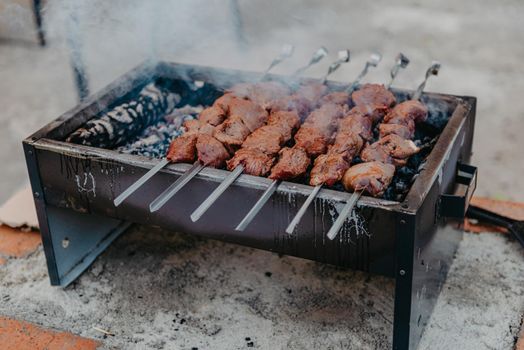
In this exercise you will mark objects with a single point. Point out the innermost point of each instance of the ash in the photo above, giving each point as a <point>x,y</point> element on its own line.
<point>155,139</point>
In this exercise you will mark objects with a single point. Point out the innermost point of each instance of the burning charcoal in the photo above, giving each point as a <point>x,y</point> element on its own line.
<point>126,120</point>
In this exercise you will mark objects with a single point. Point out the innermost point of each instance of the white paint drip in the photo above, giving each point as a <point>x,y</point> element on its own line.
<point>88,185</point>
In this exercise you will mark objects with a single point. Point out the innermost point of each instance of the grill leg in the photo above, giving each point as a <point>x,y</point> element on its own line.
<point>37,10</point>
<point>72,241</point>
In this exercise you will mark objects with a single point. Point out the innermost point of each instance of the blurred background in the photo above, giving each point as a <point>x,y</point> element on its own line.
<point>479,43</point>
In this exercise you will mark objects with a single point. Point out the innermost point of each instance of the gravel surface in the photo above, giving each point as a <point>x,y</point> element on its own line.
<point>156,289</point>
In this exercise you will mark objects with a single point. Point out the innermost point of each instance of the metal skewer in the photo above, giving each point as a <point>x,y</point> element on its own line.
<point>175,187</point>
<point>164,197</point>
<point>317,56</point>
<point>373,61</point>
<point>286,52</point>
<point>135,186</point>
<point>432,70</point>
<point>401,62</point>
<point>208,202</point>
<point>343,56</point>
<point>352,201</point>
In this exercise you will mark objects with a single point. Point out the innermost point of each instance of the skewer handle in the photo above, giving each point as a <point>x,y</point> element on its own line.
<point>286,52</point>
<point>317,56</point>
<point>346,211</point>
<point>258,206</point>
<point>135,186</point>
<point>373,61</point>
<point>302,211</point>
<point>343,57</point>
<point>208,202</point>
<point>401,61</point>
<point>175,187</point>
<point>432,70</point>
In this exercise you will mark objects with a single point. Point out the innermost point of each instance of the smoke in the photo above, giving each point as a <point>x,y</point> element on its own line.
<point>114,36</point>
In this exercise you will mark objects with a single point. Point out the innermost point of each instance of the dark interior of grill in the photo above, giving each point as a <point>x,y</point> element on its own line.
<point>203,94</point>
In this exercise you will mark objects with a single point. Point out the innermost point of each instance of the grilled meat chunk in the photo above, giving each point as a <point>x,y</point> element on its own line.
<point>373,177</point>
<point>232,132</point>
<point>223,102</point>
<point>373,94</point>
<point>411,109</point>
<point>316,133</point>
<point>295,102</point>
<point>266,139</point>
<point>341,98</point>
<point>312,140</point>
<point>285,121</point>
<point>358,124</point>
<point>264,94</point>
<point>348,144</point>
<point>183,148</point>
<point>192,126</point>
<point>195,126</point>
<point>292,162</point>
<point>211,152</point>
<point>404,131</point>
<point>375,112</point>
<point>213,115</point>
<point>254,161</point>
<point>392,149</point>
<point>312,92</point>
<point>270,137</point>
<point>252,115</point>
<point>328,169</point>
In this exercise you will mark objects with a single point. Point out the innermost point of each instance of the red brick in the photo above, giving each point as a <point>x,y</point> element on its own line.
<point>512,210</point>
<point>21,335</point>
<point>17,244</point>
<point>520,341</point>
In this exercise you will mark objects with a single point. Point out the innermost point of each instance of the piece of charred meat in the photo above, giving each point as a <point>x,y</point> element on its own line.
<point>328,169</point>
<point>373,94</point>
<point>316,133</point>
<point>264,94</point>
<point>341,98</point>
<point>211,152</point>
<point>372,177</point>
<point>358,124</point>
<point>183,149</point>
<point>311,140</point>
<point>213,115</point>
<point>295,103</point>
<point>254,161</point>
<point>252,115</point>
<point>232,132</point>
<point>218,131</point>
<point>312,92</point>
<point>292,163</point>
<point>352,131</point>
<point>391,149</point>
<point>411,109</point>
<point>259,149</point>
<point>405,131</point>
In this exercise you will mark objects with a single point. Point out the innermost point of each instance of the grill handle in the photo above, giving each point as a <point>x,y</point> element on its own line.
<point>515,227</point>
<point>456,205</point>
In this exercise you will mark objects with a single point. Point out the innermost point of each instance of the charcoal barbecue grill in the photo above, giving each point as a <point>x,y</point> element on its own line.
<point>413,240</point>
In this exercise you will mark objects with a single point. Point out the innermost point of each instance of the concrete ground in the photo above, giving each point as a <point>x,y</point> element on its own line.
<point>155,289</point>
